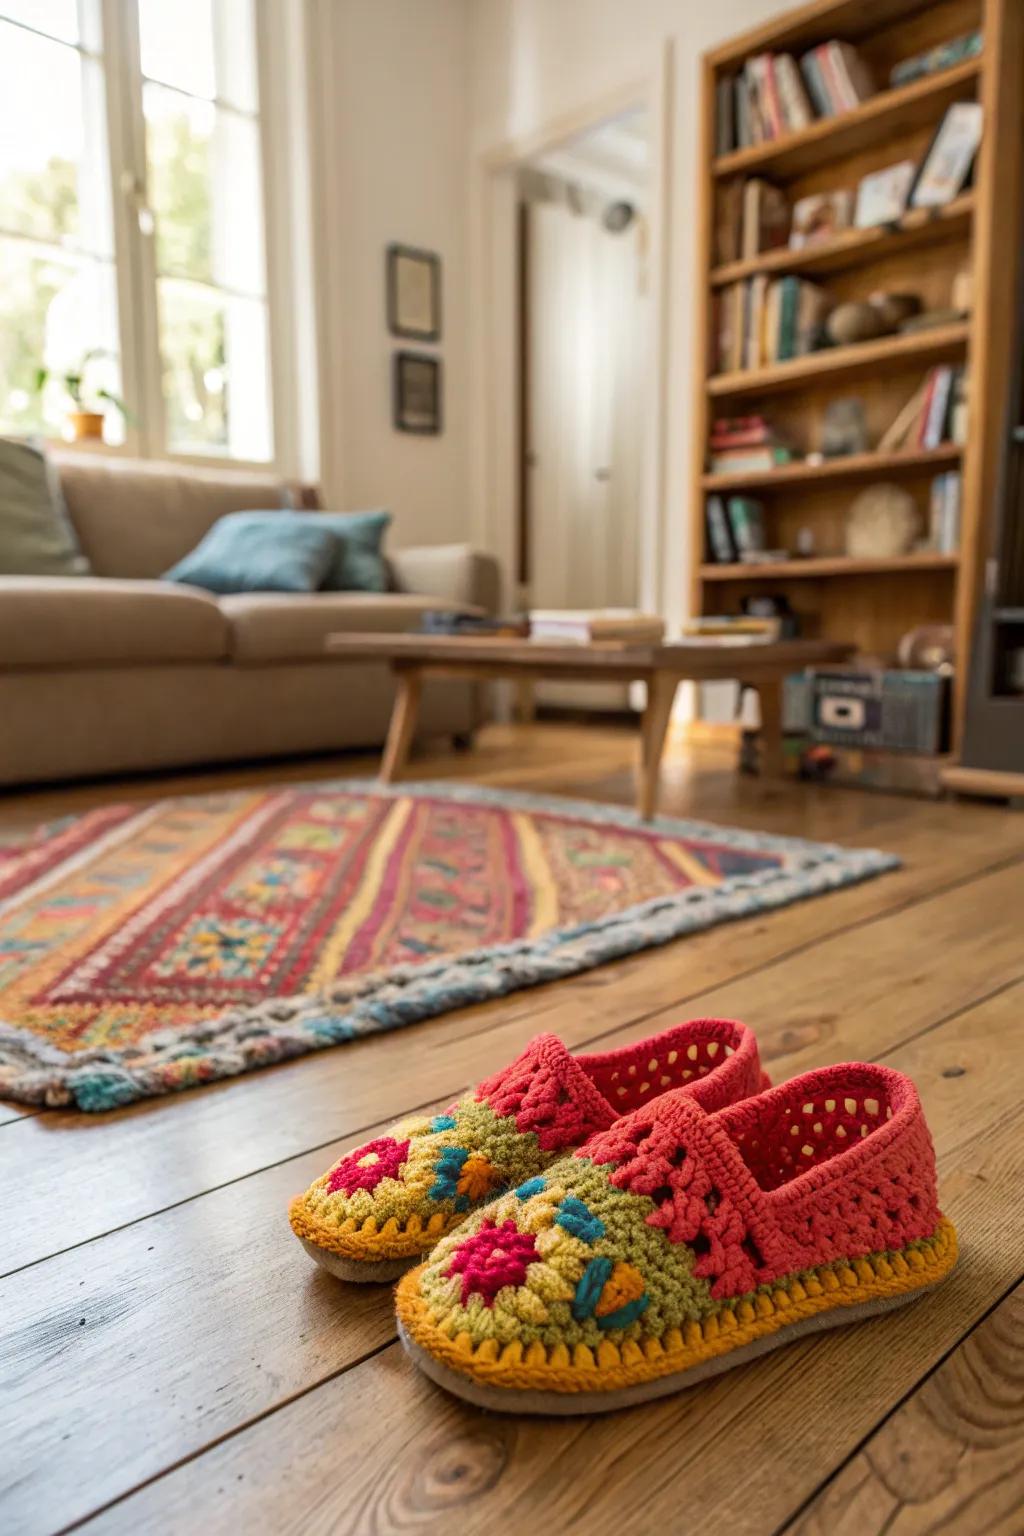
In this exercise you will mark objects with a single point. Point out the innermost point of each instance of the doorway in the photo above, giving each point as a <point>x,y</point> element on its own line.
<point>585,365</point>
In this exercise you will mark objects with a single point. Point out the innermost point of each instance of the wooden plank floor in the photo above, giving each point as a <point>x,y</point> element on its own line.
<point>171,1361</point>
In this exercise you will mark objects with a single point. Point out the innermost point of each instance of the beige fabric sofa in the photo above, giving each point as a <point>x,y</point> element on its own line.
<point>119,671</point>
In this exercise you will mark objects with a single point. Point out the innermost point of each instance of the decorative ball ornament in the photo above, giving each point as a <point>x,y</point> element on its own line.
<point>882,522</point>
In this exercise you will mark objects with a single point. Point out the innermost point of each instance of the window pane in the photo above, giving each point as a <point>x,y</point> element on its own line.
<point>53,164</point>
<point>54,308</point>
<point>204,47</point>
<point>204,187</point>
<point>216,375</point>
<point>58,18</point>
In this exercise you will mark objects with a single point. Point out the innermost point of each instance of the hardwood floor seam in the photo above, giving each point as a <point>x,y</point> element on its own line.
<point>211,1445</point>
<point>798,1513</point>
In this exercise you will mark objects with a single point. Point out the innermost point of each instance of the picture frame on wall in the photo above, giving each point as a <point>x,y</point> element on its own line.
<point>416,393</point>
<point>414,293</point>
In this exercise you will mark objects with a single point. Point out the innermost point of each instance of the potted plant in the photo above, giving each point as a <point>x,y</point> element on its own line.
<point>88,404</point>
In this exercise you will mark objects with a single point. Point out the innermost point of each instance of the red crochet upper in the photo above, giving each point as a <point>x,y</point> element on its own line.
<point>835,1164</point>
<point>564,1099</point>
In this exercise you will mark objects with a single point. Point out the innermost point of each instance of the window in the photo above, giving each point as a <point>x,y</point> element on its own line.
<point>183,316</point>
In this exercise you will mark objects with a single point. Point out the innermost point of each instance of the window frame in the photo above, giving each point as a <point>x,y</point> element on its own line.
<point>134,248</point>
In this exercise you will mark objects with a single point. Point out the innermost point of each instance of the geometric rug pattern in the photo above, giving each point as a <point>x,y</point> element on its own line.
<point>149,949</point>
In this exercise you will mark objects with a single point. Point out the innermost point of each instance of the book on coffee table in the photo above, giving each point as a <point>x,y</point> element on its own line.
<point>584,625</point>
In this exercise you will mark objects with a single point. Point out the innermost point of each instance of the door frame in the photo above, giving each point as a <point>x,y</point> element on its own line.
<point>495,395</point>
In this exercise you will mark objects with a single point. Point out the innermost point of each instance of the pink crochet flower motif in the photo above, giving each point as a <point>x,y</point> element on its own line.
<point>366,1166</point>
<point>492,1258</point>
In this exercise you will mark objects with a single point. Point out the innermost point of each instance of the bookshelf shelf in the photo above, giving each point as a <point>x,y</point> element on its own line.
<point>920,226</point>
<point>886,114</point>
<point>838,565</point>
<point>856,466</point>
<point>839,363</point>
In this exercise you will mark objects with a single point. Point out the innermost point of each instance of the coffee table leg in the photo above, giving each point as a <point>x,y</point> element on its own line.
<point>771,758</point>
<point>661,692</point>
<point>403,725</point>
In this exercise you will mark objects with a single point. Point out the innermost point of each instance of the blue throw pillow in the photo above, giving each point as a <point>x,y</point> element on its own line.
<point>359,561</point>
<point>260,552</point>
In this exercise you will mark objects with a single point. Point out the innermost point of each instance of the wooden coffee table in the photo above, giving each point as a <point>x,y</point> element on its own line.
<point>414,657</point>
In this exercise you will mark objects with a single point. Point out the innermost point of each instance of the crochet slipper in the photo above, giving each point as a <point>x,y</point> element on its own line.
<point>386,1204</point>
<point>678,1243</point>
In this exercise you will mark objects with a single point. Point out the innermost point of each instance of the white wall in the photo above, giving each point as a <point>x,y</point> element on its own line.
<point>390,105</point>
<point>534,62</point>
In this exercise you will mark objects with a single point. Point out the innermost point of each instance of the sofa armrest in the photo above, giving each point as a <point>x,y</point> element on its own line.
<point>455,572</point>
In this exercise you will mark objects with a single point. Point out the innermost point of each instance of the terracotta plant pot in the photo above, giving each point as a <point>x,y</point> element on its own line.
<point>83,424</point>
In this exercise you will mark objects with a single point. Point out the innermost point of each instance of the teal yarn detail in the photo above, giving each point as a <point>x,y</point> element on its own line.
<point>575,1218</point>
<point>625,1315</point>
<point>446,1177</point>
<point>443,1123</point>
<point>530,1188</point>
<point>588,1293</point>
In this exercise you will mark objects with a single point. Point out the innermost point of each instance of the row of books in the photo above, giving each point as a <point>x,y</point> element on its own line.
<point>772,96</point>
<point>935,413</point>
<point>741,444</point>
<point>752,216</point>
<point>944,513</point>
<point>760,322</point>
<point>735,528</point>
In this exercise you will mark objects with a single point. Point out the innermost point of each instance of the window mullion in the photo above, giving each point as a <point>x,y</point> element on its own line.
<point>134,245</point>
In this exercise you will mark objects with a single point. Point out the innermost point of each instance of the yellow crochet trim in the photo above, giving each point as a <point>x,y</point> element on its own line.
<point>351,1239</point>
<point>610,1365</point>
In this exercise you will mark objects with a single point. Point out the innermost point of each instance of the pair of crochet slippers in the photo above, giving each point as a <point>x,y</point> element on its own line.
<point>594,1231</point>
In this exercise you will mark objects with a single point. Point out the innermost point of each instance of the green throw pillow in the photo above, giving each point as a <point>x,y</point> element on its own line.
<point>259,552</point>
<point>36,536</point>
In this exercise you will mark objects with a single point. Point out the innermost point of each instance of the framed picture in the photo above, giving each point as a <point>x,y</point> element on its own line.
<point>947,164</point>
<point>882,196</point>
<point>414,293</point>
<point>416,389</point>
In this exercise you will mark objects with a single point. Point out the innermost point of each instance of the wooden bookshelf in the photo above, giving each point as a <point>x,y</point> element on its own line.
<point>842,363</point>
<point>919,226</point>
<point>841,565</point>
<point>834,596</point>
<point>883,119</point>
<point>855,466</point>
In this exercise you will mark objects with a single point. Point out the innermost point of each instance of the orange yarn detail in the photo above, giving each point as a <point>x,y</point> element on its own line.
<point>478,1177</point>
<point>624,1284</point>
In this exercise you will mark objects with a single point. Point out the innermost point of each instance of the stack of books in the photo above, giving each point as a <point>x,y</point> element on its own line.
<point>744,443</point>
<point>733,629</point>
<point>837,78</point>
<point>753,216</point>
<point>582,626</point>
<point>933,415</point>
<point>761,322</point>
<point>736,531</point>
<point>944,513</point>
<point>772,96</point>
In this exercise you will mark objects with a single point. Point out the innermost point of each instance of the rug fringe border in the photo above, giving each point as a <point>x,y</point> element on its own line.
<point>282,1028</point>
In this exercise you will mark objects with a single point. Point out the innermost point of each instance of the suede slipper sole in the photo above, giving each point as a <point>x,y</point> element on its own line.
<point>361,1271</point>
<point>564,1388</point>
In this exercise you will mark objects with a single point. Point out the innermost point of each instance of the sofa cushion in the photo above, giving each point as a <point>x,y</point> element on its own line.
<point>59,621</point>
<point>260,552</point>
<point>135,518</point>
<point>269,627</point>
<point>36,538</point>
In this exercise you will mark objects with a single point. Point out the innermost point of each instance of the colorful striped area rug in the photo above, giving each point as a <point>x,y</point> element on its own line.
<point>149,949</point>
